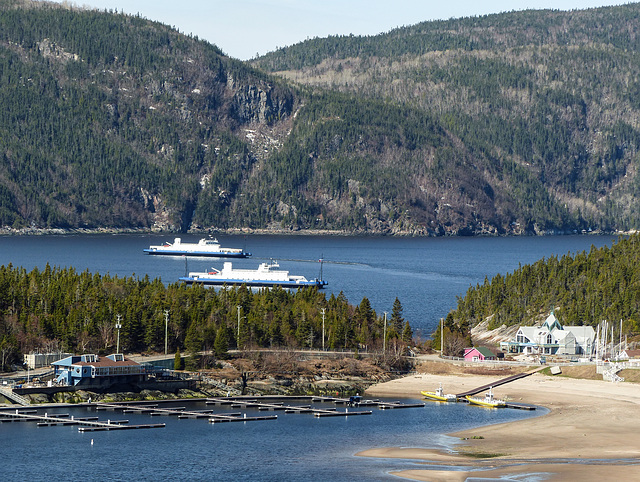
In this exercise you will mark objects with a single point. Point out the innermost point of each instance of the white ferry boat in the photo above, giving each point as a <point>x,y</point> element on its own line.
<point>204,247</point>
<point>266,275</point>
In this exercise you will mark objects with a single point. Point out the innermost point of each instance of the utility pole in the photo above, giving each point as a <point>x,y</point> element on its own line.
<point>118,326</point>
<point>238,343</point>
<point>384,335</point>
<point>166,329</point>
<point>322,329</point>
<point>441,336</point>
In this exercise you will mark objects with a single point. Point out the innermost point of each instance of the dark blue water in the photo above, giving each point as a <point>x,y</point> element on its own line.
<point>294,447</point>
<point>426,274</point>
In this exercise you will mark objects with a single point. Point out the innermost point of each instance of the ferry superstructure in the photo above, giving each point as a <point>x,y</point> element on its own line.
<point>204,247</point>
<point>267,275</point>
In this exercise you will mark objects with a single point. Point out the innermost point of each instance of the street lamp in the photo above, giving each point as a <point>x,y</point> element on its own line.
<point>118,326</point>
<point>322,329</point>
<point>384,336</point>
<point>166,329</point>
<point>238,339</point>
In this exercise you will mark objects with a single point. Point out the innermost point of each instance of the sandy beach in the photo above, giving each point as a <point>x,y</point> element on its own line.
<point>592,431</point>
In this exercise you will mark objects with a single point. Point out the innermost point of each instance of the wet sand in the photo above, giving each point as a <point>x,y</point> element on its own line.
<point>592,431</point>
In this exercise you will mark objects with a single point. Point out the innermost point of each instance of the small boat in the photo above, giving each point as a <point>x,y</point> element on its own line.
<point>204,247</point>
<point>487,401</point>
<point>266,275</point>
<point>440,396</point>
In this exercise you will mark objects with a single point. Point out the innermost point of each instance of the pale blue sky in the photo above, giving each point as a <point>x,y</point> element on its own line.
<point>243,28</point>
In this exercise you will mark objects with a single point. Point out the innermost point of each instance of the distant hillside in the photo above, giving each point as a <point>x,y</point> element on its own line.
<point>516,123</point>
<point>113,120</point>
<point>541,103</point>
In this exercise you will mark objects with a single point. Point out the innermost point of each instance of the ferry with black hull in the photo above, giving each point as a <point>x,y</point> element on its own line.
<point>204,247</point>
<point>267,275</point>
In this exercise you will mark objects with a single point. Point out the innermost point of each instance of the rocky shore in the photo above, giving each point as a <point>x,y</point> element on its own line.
<point>36,231</point>
<point>259,374</point>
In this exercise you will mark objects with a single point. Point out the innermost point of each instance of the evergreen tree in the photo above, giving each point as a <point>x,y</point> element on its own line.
<point>221,344</point>
<point>397,321</point>
<point>177,362</point>
<point>407,333</point>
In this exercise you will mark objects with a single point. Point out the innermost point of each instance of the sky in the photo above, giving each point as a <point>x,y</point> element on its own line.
<point>246,28</point>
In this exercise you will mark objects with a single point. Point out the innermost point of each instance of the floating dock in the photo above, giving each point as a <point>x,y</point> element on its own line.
<point>497,383</point>
<point>181,413</point>
<point>316,411</point>
<point>461,397</point>
<point>93,424</point>
<point>87,424</point>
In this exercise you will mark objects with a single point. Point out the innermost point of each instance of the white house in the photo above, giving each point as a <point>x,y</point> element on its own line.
<point>552,339</point>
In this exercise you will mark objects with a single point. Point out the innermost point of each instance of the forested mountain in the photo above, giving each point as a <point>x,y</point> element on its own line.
<point>541,106</point>
<point>512,123</point>
<point>584,289</point>
<point>113,120</point>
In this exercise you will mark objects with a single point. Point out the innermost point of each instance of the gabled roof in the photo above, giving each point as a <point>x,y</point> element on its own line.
<point>529,331</point>
<point>633,353</point>
<point>582,332</point>
<point>115,360</point>
<point>563,334</point>
<point>483,350</point>
<point>552,323</point>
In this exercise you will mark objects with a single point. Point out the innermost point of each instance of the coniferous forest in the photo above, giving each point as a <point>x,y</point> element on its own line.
<point>517,123</point>
<point>62,310</point>
<point>583,289</point>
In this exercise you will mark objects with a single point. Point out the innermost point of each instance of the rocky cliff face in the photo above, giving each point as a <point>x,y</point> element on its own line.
<point>260,104</point>
<point>482,335</point>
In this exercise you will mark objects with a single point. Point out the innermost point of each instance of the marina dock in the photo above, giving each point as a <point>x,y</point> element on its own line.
<point>93,423</point>
<point>316,411</point>
<point>497,383</point>
<point>181,413</point>
<point>461,397</point>
<point>87,424</point>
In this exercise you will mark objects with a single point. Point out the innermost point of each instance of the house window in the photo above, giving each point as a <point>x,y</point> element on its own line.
<point>549,339</point>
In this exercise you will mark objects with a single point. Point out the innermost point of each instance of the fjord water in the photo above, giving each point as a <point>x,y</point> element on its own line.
<point>295,447</point>
<point>426,274</point>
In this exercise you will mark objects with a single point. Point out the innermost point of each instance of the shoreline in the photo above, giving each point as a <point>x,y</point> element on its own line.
<point>6,231</point>
<point>592,431</point>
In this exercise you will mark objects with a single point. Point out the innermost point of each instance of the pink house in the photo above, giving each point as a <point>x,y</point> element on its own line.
<point>480,353</point>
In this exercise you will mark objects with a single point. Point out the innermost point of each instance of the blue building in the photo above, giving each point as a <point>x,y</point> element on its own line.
<point>95,371</point>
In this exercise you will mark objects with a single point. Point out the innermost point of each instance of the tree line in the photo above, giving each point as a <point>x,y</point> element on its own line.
<point>58,310</point>
<point>582,289</point>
